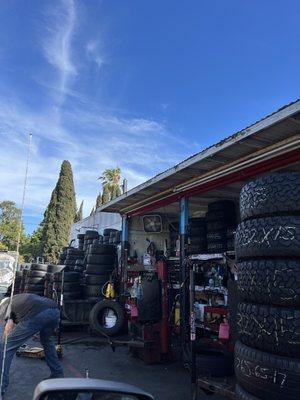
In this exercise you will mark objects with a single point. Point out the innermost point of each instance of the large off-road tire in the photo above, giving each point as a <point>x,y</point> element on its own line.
<point>268,237</point>
<point>97,321</point>
<point>265,375</point>
<point>102,249</point>
<point>274,282</point>
<point>267,328</point>
<point>269,195</point>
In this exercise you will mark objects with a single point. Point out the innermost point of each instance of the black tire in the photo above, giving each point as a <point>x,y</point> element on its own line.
<point>39,267</point>
<point>78,268</point>
<point>274,282</point>
<point>102,249</point>
<point>270,195</point>
<point>273,329</point>
<point>35,281</point>
<point>221,205</point>
<point>68,287</point>
<point>68,277</point>
<point>265,375</point>
<point>92,291</point>
<point>100,259</point>
<point>53,268</point>
<point>216,247</point>
<point>223,215</point>
<point>195,249</point>
<point>243,395</point>
<point>219,236</point>
<point>108,231</point>
<point>91,235</point>
<point>268,237</point>
<point>197,240</point>
<point>80,236</point>
<point>37,274</point>
<point>197,223</point>
<point>96,279</point>
<point>217,226</point>
<point>96,317</point>
<point>71,295</point>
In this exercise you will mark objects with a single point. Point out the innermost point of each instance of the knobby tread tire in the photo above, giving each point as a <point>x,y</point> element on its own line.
<point>274,282</point>
<point>265,375</point>
<point>268,237</point>
<point>272,194</point>
<point>267,328</point>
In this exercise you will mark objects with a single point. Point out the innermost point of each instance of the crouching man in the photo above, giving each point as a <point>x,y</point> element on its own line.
<point>26,315</point>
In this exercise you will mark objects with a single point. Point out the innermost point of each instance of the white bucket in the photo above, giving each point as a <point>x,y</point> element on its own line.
<point>110,319</point>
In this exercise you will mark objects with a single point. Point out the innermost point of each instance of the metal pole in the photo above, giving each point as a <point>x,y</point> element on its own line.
<point>193,336</point>
<point>184,315</point>
<point>124,256</point>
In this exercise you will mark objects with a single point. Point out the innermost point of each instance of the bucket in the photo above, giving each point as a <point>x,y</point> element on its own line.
<point>110,319</point>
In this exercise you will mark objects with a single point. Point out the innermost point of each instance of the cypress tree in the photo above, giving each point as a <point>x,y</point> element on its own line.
<point>79,214</point>
<point>59,215</point>
<point>105,194</point>
<point>99,201</point>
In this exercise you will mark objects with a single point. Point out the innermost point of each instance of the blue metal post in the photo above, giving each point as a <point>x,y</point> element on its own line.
<point>184,215</point>
<point>124,228</point>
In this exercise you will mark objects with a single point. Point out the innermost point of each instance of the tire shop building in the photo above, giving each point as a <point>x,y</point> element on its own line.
<point>182,233</point>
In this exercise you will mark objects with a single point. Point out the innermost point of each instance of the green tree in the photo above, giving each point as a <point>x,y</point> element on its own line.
<point>79,213</point>
<point>31,247</point>
<point>99,201</point>
<point>111,184</point>
<point>59,215</point>
<point>9,225</point>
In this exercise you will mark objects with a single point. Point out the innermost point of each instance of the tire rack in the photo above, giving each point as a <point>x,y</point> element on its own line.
<point>206,384</point>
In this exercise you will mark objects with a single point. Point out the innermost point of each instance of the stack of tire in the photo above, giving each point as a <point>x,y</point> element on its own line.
<point>108,235</point>
<point>48,287</point>
<point>196,236</point>
<point>35,279</point>
<point>220,223</point>
<point>25,272</point>
<point>71,285</point>
<point>89,237</point>
<point>267,357</point>
<point>100,262</point>
<point>73,255</point>
<point>80,238</point>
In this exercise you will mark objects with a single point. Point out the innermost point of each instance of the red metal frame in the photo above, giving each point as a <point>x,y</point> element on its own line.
<point>247,172</point>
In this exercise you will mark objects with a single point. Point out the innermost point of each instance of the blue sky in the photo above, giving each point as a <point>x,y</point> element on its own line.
<point>136,84</point>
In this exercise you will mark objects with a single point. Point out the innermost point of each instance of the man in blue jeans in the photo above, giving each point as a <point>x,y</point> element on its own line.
<point>26,315</point>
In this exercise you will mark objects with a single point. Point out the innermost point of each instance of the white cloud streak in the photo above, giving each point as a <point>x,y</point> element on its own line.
<point>61,24</point>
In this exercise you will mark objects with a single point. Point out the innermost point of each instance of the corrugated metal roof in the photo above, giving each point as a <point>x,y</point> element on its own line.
<point>281,124</point>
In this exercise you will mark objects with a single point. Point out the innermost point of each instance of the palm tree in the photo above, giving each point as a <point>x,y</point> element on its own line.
<point>111,184</point>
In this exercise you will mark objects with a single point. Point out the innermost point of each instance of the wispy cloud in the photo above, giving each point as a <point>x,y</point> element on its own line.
<point>95,54</point>
<point>57,45</point>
